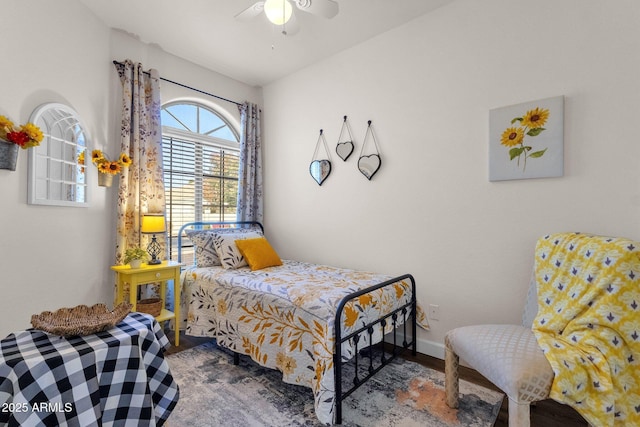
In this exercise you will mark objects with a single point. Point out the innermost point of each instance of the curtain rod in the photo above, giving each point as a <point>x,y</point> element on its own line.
<point>189,87</point>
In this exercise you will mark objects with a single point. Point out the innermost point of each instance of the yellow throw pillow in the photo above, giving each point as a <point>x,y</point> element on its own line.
<point>258,253</point>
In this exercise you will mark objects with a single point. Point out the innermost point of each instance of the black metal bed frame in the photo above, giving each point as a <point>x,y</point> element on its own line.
<point>407,311</point>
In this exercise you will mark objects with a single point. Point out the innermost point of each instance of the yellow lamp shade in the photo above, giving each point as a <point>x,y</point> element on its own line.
<point>153,224</point>
<point>278,11</point>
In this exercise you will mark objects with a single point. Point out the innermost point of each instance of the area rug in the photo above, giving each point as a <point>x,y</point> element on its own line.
<point>214,392</point>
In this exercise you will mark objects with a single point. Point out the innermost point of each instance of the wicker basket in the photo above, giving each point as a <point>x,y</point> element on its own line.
<point>80,320</point>
<point>152,306</point>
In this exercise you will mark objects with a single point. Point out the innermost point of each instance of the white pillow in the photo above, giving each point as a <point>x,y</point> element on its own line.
<point>225,245</point>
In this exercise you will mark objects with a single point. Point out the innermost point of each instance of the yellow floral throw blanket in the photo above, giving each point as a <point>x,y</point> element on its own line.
<point>588,324</point>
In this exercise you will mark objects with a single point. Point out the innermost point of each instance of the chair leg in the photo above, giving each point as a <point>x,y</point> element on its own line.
<point>519,414</point>
<point>451,377</point>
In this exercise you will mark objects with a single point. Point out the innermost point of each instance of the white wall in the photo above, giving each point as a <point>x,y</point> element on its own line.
<point>51,257</point>
<point>430,210</point>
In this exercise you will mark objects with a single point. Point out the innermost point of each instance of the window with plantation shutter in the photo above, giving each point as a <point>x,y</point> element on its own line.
<point>201,160</point>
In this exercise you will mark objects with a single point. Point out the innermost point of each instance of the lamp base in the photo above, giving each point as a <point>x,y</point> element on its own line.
<point>154,250</point>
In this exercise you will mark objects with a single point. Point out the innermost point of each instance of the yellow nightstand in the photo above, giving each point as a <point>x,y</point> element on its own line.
<point>168,270</point>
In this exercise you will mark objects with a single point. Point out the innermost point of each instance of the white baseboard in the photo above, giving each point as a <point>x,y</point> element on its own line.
<point>430,348</point>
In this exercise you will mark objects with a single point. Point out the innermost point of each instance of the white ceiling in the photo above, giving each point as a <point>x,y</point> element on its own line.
<point>205,32</point>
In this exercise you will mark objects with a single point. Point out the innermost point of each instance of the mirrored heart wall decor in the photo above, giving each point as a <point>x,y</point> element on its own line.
<point>320,168</point>
<point>345,148</point>
<point>369,164</point>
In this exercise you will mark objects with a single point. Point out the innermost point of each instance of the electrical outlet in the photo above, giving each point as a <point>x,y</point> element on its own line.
<point>434,312</point>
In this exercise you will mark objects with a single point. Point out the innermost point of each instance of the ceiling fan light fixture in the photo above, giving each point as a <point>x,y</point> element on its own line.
<point>278,11</point>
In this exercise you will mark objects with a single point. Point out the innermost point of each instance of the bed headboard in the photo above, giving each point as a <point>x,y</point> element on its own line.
<point>203,225</point>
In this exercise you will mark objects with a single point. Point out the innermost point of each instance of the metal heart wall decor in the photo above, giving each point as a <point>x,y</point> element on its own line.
<point>346,147</point>
<point>320,170</point>
<point>369,165</point>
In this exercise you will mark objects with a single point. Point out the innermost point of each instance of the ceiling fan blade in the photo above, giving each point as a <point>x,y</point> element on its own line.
<point>250,12</point>
<point>292,26</point>
<point>324,8</point>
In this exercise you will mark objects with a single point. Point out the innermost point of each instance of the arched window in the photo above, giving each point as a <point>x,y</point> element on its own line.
<point>201,159</point>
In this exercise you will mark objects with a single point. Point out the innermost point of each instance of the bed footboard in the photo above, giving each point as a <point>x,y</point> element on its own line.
<point>406,313</point>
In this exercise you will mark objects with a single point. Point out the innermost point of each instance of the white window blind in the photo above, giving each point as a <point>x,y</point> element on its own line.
<point>201,184</point>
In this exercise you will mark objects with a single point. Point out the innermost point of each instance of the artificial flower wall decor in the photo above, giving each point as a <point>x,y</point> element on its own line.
<point>107,168</point>
<point>12,137</point>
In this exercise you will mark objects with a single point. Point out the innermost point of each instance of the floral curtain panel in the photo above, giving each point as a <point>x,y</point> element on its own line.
<point>250,192</point>
<point>141,187</point>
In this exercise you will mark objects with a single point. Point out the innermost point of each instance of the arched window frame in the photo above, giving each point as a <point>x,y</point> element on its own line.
<point>177,143</point>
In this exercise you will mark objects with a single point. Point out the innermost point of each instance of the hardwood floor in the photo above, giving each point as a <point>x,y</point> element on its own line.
<point>547,413</point>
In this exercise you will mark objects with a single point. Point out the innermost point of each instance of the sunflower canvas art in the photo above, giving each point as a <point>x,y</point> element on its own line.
<point>526,140</point>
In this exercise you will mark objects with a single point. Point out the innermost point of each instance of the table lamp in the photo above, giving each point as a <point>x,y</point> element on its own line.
<point>152,224</point>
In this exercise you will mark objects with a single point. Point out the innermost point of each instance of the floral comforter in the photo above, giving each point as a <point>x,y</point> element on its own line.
<point>283,317</point>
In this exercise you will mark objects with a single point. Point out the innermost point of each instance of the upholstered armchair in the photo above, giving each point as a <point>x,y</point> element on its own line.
<point>579,341</point>
<point>508,356</point>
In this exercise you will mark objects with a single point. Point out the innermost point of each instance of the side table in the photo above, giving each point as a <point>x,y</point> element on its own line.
<point>167,270</point>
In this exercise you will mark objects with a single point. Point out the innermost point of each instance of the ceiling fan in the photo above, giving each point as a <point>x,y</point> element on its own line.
<point>280,12</point>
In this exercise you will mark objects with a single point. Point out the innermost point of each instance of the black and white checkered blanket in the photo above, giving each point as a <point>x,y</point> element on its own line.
<point>118,377</point>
